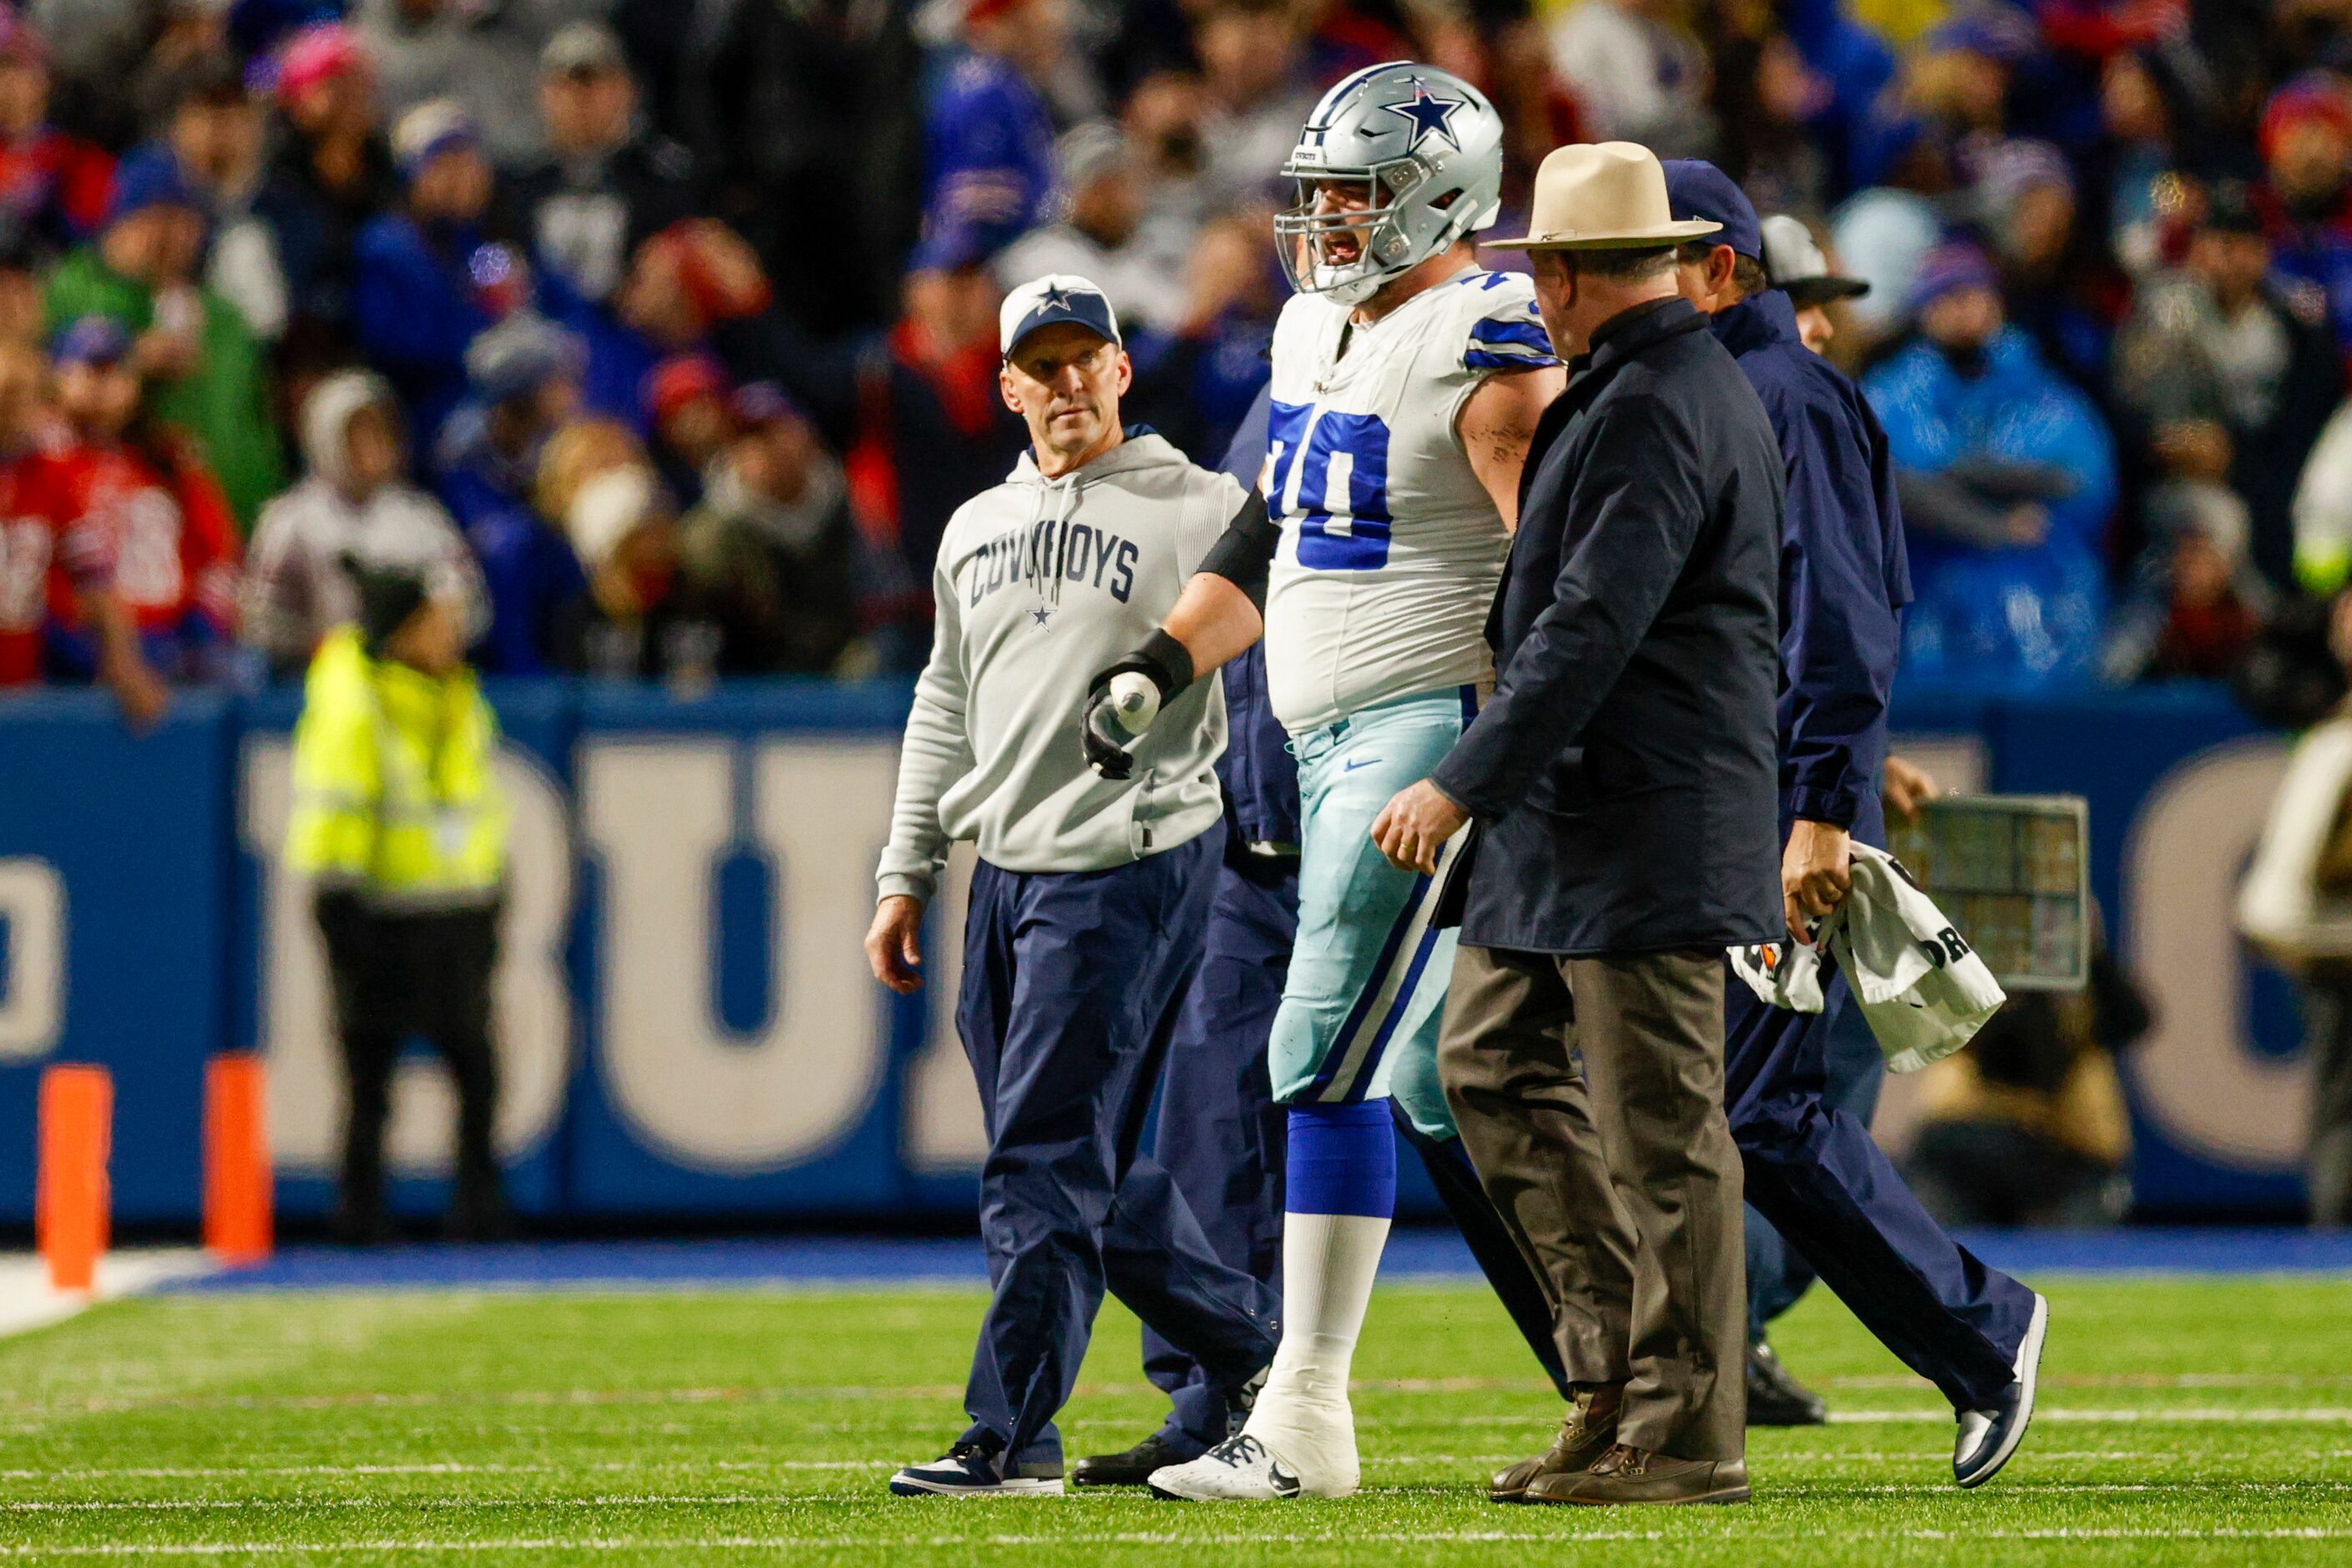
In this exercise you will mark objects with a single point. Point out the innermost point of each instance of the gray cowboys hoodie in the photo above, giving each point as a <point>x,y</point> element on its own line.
<point>1041,583</point>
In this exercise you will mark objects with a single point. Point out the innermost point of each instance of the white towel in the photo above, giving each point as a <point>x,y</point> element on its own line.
<point>1924,991</point>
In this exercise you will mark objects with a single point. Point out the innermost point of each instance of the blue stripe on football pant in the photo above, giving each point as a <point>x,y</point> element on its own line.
<point>1423,949</point>
<point>1429,933</point>
<point>1334,1061</point>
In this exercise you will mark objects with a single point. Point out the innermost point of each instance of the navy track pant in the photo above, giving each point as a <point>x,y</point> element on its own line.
<point>1072,982</point>
<point>1814,1172</point>
<point>1853,1069</point>
<point>1219,1136</point>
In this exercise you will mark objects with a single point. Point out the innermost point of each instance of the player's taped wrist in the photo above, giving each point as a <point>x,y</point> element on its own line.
<point>1168,663</point>
<point>1163,661</point>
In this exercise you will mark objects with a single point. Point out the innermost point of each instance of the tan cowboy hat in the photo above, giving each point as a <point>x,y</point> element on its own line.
<point>1603,195</point>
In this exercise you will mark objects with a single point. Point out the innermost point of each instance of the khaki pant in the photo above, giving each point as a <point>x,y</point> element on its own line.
<point>1620,1181</point>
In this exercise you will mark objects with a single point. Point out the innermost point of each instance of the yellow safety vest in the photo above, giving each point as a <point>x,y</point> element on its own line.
<point>395,789</point>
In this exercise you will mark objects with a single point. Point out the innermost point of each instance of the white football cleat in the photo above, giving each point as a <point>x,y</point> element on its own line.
<point>1244,1470</point>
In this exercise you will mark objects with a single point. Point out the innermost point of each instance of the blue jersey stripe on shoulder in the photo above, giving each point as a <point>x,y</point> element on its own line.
<point>1494,334</point>
<point>1479,359</point>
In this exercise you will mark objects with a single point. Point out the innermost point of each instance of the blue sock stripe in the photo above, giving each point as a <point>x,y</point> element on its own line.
<point>1341,1160</point>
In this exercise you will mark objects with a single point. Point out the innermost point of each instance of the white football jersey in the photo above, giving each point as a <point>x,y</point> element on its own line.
<point>1391,549</point>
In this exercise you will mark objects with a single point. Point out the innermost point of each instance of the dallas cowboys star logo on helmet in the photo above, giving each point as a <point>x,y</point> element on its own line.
<point>1056,298</point>
<point>1431,115</point>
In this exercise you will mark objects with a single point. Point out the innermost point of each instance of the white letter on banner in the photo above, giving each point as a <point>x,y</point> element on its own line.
<point>295,1015</point>
<point>659,815</point>
<point>943,1130</point>
<point>2197,1074</point>
<point>33,990</point>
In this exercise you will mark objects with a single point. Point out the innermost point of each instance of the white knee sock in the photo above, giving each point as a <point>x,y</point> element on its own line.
<point>1329,1263</point>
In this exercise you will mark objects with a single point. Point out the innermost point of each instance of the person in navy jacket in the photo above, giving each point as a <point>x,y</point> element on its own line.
<point>1811,1167</point>
<point>1622,781</point>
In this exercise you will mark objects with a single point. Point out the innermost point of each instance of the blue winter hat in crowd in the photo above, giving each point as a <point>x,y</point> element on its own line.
<point>1697,189</point>
<point>519,355</point>
<point>91,340</point>
<point>954,243</point>
<point>150,176</point>
<point>1955,265</point>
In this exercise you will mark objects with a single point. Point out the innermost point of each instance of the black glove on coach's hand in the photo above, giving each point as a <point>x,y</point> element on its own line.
<point>1102,736</point>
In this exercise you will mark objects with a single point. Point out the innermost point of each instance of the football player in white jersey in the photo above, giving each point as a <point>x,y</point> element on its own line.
<point>1407,385</point>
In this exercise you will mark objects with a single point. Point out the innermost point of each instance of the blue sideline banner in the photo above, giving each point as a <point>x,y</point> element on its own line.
<point>686,1023</point>
<point>113,900</point>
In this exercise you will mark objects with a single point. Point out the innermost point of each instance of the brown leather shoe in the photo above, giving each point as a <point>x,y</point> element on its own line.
<point>1586,1433</point>
<point>1626,1474</point>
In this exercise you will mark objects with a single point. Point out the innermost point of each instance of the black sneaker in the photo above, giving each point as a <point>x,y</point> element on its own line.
<point>1133,1468</point>
<point>969,1471</point>
<point>1988,1437</point>
<point>1776,1399</point>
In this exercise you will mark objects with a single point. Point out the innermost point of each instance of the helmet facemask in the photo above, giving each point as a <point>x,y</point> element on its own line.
<point>1375,232</point>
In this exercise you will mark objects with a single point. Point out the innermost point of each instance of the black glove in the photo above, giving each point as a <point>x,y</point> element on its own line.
<point>1102,737</point>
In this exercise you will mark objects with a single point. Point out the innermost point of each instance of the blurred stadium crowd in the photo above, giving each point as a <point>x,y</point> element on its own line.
<point>670,329</point>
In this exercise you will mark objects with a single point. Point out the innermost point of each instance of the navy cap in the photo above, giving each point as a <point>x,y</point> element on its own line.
<point>1057,297</point>
<point>1697,189</point>
<point>959,244</point>
<point>150,176</point>
<point>91,340</point>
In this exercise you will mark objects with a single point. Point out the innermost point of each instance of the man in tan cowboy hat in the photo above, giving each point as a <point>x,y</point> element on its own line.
<point>1623,781</point>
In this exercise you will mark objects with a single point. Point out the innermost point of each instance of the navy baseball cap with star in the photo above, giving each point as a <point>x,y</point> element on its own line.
<point>1057,297</point>
<point>1697,189</point>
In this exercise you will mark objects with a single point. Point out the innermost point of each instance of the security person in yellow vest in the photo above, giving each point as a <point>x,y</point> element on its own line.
<point>399,819</point>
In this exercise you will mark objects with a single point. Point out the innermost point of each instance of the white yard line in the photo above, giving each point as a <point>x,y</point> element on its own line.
<point>2156,1380</point>
<point>768,1499</point>
<point>1125,1537</point>
<point>1935,1454</point>
<point>2154,1415</point>
<point>101,1405</point>
<point>432,1468</point>
<point>27,1302</point>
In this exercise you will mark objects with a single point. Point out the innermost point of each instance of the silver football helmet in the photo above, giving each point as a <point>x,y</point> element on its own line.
<point>1428,149</point>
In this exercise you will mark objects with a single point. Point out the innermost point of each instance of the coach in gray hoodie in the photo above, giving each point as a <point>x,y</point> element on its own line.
<point>1090,905</point>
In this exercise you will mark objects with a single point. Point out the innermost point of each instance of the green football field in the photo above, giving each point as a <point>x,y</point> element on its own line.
<point>2205,1421</point>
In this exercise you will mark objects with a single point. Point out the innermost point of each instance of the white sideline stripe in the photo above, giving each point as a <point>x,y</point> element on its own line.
<point>2157,1380</point>
<point>26,1302</point>
<point>433,1468</point>
<point>755,1466</point>
<point>745,1394</point>
<point>764,1499</point>
<point>2154,1415</point>
<point>1128,1538</point>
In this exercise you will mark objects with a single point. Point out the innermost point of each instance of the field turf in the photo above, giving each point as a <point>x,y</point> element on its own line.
<point>2185,1421</point>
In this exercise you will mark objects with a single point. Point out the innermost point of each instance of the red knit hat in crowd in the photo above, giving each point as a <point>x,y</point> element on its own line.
<point>2308,98</point>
